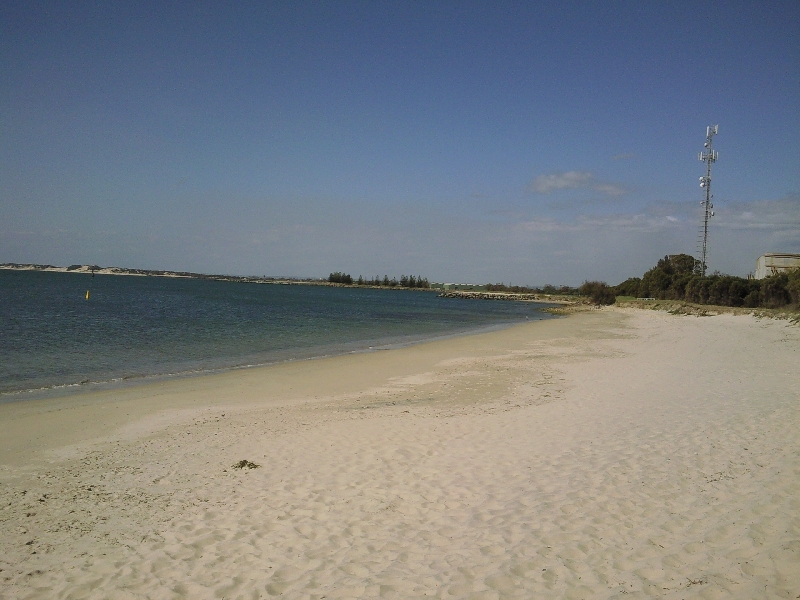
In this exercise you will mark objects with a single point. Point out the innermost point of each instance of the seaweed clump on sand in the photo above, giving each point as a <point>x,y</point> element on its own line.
<point>245,464</point>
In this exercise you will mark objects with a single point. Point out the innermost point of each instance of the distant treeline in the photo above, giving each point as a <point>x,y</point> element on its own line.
<point>675,278</point>
<point>405,281</point>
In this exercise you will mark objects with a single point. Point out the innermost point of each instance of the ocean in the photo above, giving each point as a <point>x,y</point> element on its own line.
<point>133,329</point>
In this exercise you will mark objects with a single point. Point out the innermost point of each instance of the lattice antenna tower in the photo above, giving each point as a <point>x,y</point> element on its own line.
<point>708,156</point>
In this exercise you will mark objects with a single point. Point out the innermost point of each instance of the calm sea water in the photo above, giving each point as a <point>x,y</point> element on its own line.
<point>53,341</point>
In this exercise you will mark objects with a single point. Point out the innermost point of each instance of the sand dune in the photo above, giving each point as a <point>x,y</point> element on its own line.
<point>612,453</point>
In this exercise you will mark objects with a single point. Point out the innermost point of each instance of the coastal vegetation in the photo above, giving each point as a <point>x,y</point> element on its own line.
<point>674,278</point>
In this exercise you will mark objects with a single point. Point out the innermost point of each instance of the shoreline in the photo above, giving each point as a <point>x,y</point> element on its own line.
<point>66,390</point>
<point>613,451</point>
<point>173,392</point>
<point>330,322</point>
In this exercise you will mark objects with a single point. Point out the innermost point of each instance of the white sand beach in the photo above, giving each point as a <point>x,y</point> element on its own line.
<point>612,453</point>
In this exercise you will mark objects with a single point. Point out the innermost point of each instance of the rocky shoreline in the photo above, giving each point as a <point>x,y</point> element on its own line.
<point>507,296</point>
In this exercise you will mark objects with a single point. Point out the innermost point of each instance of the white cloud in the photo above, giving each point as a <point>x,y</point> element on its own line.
<point>774,215</point>
<point>575,180</point>
<point>617,223</point>
<point>616,246</point>
<point>610,189</point>
<point>571,180</point>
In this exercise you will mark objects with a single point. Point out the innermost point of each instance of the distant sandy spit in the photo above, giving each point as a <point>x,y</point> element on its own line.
<point>613,453</point>
<point>81,269</point>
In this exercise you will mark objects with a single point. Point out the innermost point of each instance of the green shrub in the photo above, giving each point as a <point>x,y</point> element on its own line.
<point>673,278</point>
<point>793,286</point>
<point>599,292</point>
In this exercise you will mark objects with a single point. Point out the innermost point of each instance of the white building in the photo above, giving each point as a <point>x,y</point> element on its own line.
<point>772,263</point>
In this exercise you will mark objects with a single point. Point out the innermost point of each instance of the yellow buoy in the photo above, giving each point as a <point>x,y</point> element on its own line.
<point>87,294</point>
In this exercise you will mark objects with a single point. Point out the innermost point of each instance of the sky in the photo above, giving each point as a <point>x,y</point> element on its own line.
<point>517,142</point>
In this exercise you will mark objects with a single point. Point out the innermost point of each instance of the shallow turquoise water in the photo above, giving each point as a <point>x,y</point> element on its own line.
<point>54,341</point>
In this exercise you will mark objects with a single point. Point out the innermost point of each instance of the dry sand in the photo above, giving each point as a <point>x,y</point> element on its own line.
<point>616,452</point>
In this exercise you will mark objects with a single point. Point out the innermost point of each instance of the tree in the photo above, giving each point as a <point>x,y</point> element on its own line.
<point>629,287</point>
<point>339,277</point>
<point>677,264</point>
<point>655,282</point>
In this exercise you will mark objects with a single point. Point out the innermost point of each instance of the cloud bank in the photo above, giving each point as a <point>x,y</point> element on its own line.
<point>574,180</point>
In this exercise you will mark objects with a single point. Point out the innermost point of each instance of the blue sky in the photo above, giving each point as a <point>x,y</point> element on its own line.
<point>521,142</point>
